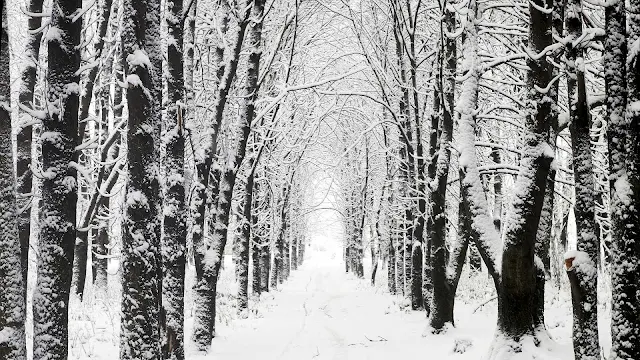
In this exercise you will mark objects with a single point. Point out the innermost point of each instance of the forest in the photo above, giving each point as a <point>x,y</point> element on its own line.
<point>320,179</point>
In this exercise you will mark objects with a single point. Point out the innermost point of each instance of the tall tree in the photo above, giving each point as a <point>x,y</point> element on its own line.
<point>517,292</point>
<point>24,172</point>
<point>59,187</point>
<point>12,300</point>
<point>582,266</point>
<point>174,236</point>
<point>442,308</point>
<point>622,66</point>
<point>141,282</point>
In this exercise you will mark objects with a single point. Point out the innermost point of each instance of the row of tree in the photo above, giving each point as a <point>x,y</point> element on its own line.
<point>141,126</point>
<point>495,121</point>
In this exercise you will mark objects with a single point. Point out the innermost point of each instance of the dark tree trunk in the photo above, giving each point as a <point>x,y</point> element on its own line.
<point>141,264</point>
<point>431,174</point>
<point>244,243</point>
<point>583,273</point>
<point>294,251</point>
<point>624,159</point>
<point>516,297</point>
<point>442,308</point>
<point>24,173</point>
<point>399,241</point>
<point>391,264</point>
<point>12,300</point>
<point>265,266</point>
<point>174,236</point>
<point>59,189</point>
<point>204,323</point>
<point>417,302</point>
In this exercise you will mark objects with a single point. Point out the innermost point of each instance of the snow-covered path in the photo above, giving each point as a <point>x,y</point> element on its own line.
<point>320,313</point>
<point>323,313</point>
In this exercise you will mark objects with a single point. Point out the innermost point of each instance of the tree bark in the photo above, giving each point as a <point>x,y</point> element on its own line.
<point>442,309</point>
<point>204,330</point>
<point>516,296</point>
<point>583,275</point>
<point>244,243</point>
<point>59,188</point>
<point>624,159</point>
<point>174,235</point>
<point>24,173</point>
<point>140,335</point>
<point>12,300</point>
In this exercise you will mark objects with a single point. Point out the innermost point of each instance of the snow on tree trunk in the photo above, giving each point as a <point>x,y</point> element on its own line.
<point>286,256</point>
<point>256,243</point>
<point>398,232</point>
<point>265,264</point>
<point>624,159</point>
<point>302,245</point>
<point>205,184</point>
<point>294,252</point>
<point>204,330</point>
<point>583,274</point>
<point>244,243</point>
<point>174,235</point>
<point>24,173</point>
<point>517,292</point>
<point>59,187</point>
<point>12,300</point>
<point>141,254</point>
<point>391,265</point>
<point>82,243</point>
<point>442,309</point>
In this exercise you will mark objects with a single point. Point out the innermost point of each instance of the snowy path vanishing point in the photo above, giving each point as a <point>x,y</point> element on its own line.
<point>323,313</point>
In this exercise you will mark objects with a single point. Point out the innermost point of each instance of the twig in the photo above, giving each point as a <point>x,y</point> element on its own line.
<point>484,303</point>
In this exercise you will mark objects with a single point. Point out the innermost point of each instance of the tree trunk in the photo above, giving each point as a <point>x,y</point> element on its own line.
<point>141,264</point>
<point>583,275</point>
<point>294,251</point>
<point>624,159</point>
<point>174,236</point>
<point>59,188</point>
<point>256,245</point>
<point>12,300</point>
<point>265,266</point>
<point>516,297</point>
<point>204,330</point>
<point>244,243</point>
<point>442,309</point>
<point>24,173</point>
<point>391,266</point>
<point>417,302</point>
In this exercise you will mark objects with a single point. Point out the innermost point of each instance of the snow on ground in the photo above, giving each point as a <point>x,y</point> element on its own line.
<point>323,313</point>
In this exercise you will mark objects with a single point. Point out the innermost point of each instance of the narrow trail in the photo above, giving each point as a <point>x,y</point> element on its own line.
<point>319,313</point>
<point>322,313</point>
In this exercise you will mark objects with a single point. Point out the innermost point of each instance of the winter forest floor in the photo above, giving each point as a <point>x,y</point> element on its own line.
<point>321,312</point>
